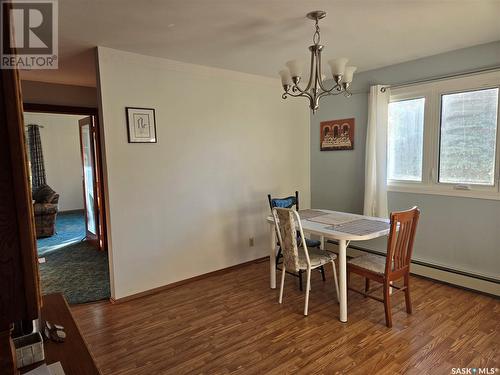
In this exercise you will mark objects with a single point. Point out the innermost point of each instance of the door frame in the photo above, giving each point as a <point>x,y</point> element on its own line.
<point>84,111</point>
<point>91,237</point>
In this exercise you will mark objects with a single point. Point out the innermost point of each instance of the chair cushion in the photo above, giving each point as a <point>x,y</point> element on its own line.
<point>312,243</point>
<point>44,194</point>
<point>288,202</point>
<point>44,208</point>
<point>316,256</point>
<point>371,262</point>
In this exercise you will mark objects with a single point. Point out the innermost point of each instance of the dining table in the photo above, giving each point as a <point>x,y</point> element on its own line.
<point>342,227</point>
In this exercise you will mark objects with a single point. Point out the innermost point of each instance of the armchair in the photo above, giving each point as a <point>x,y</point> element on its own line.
<point>45,208</point>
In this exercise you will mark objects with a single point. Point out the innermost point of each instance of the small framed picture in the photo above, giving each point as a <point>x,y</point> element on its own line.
<point>141,125</point>
<point>337,135</point>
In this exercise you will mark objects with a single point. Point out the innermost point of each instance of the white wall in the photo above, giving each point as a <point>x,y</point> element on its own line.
<point>189,204</point>
<point>62,158</point>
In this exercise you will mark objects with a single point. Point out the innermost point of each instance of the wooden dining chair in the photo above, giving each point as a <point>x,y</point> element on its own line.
<point>299,258</point>
<point>290,202</point>
<point>394,266</point>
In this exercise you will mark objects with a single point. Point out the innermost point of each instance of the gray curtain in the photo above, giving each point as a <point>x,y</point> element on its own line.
<point>36,157</point>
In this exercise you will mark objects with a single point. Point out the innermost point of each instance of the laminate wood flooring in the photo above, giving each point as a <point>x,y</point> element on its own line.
<point>232,323</point>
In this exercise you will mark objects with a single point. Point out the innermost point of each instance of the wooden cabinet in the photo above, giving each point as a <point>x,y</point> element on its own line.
<point>73,353</point>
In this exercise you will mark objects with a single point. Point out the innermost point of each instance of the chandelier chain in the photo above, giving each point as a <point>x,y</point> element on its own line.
<point>316,36</point>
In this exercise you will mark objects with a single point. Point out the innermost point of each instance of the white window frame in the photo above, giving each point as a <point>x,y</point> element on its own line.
<point>432,92</point>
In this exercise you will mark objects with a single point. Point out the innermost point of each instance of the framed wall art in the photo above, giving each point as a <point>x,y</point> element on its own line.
<point>141,125</point>
<point>337,135</point>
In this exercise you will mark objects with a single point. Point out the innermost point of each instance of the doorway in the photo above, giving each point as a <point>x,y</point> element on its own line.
<point>65,173</point>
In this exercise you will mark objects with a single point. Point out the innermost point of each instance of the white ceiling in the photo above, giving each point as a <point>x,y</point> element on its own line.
<point>258,36</point>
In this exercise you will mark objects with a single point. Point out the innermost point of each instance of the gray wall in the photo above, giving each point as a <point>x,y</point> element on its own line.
<point>459,233</point>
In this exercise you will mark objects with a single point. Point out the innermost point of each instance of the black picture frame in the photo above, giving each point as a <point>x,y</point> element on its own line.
<point>141,125</point>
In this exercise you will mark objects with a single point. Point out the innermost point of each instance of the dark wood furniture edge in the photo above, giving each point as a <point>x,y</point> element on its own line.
<point>79,331</point>
<point>57,301</point>
<point>19,289</point>
<point>7,350</point>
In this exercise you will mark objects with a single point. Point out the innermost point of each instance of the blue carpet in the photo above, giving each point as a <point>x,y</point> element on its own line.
<point>79,271</point>
<point>72,266</point>
<point>70,228</point>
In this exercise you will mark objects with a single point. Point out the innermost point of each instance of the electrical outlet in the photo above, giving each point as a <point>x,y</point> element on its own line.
<point>251,241</point>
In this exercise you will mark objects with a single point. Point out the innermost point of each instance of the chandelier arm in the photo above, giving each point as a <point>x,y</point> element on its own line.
<point>305,94</point>
<point>296,88</point>
<point>310,72</point>
<point>312,100</point>
<point>319,71</point>
<point>336,87</point>
<point>328,93</point>
<point>320,79</point>
<point>317,77</point>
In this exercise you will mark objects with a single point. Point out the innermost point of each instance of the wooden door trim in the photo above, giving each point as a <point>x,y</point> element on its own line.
<point>60,109</point>
<point>84,111</point>
<point>14,128</point>
<point>20,288</point>
<point>93,238</point>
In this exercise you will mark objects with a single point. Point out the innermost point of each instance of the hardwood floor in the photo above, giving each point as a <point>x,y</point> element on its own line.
<point>232,323</point>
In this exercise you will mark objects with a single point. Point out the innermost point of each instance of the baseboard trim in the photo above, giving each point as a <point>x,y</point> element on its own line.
<point>425,264</point>
<point>461,280</point>
<point>457,281</point>
<point>72,211</point>
<point>185,281</point>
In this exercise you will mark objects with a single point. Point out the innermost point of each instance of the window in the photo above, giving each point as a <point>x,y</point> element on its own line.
<point>468,137</point>
<point>405,140</point>
<point>443,137</point>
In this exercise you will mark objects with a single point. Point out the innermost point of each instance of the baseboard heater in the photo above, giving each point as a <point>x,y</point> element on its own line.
<point>430,265</point>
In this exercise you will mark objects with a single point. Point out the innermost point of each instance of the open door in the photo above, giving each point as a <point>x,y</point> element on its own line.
<point>90,181</point>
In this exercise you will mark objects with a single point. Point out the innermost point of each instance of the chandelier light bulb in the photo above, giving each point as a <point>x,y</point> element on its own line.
<point>295,67</point>
<point>286,78</point>
<point>338,66</point>
<point>349,73</point>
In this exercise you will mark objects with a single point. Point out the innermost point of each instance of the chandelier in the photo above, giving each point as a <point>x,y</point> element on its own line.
<point>316,89</point>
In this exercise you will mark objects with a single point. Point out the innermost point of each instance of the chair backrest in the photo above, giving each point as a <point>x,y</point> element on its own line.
<point>286,221</point>
<point>287,202</point>
<point>401,238</point>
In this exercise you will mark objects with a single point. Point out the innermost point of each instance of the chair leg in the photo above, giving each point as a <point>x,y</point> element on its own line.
<point>322,270</point>
<point>282,284</point>
<point>387,304</point>
<point>278,256</point>
<point>300,281</point>
<point>308,287</point>
<point>335,280</point>
<point>407,294</point>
